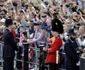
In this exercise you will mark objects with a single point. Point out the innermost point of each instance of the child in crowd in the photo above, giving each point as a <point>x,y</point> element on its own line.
<point>22,37</point>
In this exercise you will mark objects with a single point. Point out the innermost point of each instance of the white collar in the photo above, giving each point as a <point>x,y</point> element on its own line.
<point>9,29</point>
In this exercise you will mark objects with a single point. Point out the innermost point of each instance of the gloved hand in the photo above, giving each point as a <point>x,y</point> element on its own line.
<point>78,64</point>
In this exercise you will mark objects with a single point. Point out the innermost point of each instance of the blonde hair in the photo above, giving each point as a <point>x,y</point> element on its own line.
<point>82,27</point>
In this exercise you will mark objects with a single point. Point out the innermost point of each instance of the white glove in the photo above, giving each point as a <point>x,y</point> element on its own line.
<point>78,64</point>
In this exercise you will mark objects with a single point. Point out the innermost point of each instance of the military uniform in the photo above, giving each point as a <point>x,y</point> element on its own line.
<point>52,59</point>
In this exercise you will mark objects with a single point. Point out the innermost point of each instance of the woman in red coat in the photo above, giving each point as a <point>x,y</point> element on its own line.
<point>52,59</point>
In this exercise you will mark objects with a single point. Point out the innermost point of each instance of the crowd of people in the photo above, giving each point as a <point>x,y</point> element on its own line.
<point>62,25</point>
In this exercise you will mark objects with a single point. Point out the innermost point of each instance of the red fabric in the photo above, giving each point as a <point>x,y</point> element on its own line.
<point>17,35</point>
<point>13,32</point>
<point>51,57</point>
<point>32,55</point>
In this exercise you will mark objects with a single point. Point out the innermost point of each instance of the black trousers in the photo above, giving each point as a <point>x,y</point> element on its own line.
<point>8,64</point>
<point>53,66</point>
<point>76,68</point>
<point>19,57</point>
<point>70,69</point>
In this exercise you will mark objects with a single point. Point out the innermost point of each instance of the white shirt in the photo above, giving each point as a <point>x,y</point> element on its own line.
<point>81,43</point>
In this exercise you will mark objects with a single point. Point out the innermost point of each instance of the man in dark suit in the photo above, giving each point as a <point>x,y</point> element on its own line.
<point>72,58</point>
<point>9,46</point>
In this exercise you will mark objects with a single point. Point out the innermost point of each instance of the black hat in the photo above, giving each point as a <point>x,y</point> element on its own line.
<point>57,26</point>
<point>36,23</point>
<point>8,22</point>
<point>71,32</point>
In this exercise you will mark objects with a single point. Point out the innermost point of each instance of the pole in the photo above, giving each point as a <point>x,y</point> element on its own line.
<point>26,65</point>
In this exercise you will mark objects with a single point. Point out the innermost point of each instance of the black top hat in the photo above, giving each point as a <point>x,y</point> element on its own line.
<point>57,26</point>
<point>71,32</point>
<point>8,22</point>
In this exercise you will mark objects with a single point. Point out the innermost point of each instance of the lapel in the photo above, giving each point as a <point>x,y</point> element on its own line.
<point>72,43</point>
<point>8,30</point>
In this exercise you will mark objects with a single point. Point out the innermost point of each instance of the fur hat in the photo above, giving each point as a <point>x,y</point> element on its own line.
<point>8,22</point>
<point>57,26</point>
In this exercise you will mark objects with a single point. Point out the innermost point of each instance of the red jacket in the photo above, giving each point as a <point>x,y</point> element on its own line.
<point>51,57</point>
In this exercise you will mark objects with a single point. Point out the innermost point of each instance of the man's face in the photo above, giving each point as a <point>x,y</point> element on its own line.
<point>66,28</point>
<point>31,16</point>
<point>76,16</point>
<point>74,36</point>
<point>11,27</point>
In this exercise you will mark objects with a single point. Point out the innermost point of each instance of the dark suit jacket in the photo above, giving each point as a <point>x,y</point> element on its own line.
<point>9,44</point>
<point>71,54</point>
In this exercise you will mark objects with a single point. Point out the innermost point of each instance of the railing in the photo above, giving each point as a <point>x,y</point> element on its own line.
<point>24,60</point>
<point>1,51</point>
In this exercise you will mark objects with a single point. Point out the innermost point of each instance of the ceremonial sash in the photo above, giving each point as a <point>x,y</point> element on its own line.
<point>57,57</point>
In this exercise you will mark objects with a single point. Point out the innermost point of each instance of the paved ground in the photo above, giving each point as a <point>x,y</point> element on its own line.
<point>1,68</point>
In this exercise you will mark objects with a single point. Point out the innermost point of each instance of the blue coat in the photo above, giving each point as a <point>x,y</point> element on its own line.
<point>44,26</point>
<point>9,44</point>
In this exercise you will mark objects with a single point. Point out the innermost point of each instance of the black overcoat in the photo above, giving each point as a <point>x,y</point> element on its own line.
<point>9,44</point>
<point>71,54</point>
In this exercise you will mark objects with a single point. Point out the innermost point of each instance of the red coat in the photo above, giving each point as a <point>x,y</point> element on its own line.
<point>13,32</point>
<point>51,57</point>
